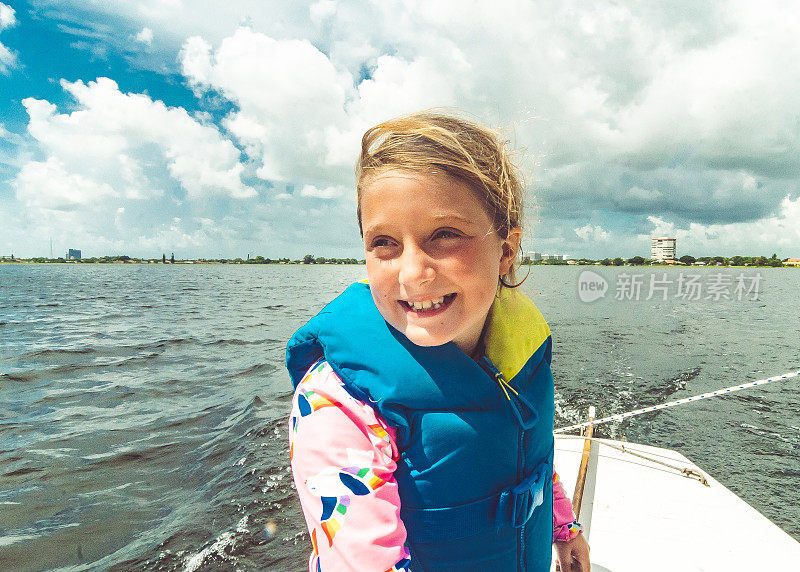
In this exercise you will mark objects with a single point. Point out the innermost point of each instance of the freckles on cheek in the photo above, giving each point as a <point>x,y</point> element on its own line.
<point>386,301</point>
<point>468,260</point>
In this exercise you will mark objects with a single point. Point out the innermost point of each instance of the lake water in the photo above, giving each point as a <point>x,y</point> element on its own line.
<point>143,408</point>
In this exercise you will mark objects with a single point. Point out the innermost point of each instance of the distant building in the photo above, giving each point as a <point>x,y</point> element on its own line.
<point>662,249</point>
<point>538,256</point>
<point>792,262</point>
<point>73,254</point>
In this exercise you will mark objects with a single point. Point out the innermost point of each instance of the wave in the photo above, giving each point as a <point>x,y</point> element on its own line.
<point>257,368</point>
<point>59,352</point>
<point>141,456</point>
<point>23,471</point>
<point>239,342</point>
<point>221,548</point>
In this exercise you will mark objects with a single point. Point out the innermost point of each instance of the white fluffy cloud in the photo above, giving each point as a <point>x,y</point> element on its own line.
<point>326,193</point>
<point>321,10</point>
<point>145,36</point>
<point>286,92</point>
<point>127,143</point>
<point>49,185</point>
<point>396,86</point>
<point>8,19</point>
<point>299,113</point>
<point>113,170</point>
<point>592,233</point>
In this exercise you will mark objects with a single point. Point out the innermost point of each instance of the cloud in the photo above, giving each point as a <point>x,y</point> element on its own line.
<point>7,17</point>
<point>396,86</point>
<point>322,9</point>
<point>297,111</point>
<point>8,59</point>
<point>778,232</point>
<point>286,92</point>
<point>145,36</point>
<point>326,193</point>
<point>134,144</point>
<point>592,233</point>
<point>117,168</point>
<point>48,185</point>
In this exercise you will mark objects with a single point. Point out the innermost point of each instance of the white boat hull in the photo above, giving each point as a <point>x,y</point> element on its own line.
<point>643,516</point>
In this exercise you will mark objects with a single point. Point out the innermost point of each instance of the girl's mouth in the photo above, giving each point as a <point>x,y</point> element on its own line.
<point>429,307</point>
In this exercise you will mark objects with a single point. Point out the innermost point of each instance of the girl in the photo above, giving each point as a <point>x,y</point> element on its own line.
<point>421,427</point>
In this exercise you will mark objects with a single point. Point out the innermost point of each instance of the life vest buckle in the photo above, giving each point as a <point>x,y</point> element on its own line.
<point>521,500</point>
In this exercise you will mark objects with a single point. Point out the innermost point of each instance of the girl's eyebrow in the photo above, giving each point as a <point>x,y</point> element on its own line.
<point>437,217</point>
<point>376,228</point>
<point>450,216</point>
<point>381,226</point>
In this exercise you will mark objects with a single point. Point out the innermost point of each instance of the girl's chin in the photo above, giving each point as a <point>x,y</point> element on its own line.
<point>425,339</point>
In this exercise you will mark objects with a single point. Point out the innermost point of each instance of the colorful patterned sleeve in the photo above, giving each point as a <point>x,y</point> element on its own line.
<point>343,459</point>
<point>565,524</point>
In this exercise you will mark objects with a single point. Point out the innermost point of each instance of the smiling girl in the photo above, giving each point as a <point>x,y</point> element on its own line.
<point>421,426</point>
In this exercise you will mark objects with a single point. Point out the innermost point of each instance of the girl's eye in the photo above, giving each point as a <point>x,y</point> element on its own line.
<point>446,233</point>
<point>381,241</point>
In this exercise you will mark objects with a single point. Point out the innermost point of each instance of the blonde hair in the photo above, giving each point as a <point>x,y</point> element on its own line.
<point>427,141</point>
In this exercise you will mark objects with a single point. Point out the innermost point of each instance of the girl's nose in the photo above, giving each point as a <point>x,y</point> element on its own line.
<point>415,267</point>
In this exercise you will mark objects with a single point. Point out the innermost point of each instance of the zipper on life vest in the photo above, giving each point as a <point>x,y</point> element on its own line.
<point>520,471</point>
<point>523,411</point>
<point>526,417</point>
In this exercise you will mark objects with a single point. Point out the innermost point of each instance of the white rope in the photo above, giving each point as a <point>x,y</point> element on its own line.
<point>621,416</point>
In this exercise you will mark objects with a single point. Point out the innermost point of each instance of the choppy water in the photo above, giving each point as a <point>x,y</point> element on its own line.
<point>142,408</point>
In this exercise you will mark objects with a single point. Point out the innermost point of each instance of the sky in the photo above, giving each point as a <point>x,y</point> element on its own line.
<point>219,129</point>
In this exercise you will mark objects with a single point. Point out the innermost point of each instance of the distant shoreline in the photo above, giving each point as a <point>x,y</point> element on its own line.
<point>300,263</point>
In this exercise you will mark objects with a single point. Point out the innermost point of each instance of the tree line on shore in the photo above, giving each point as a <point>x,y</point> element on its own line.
<point>687,260</point>
<point>124,259</point>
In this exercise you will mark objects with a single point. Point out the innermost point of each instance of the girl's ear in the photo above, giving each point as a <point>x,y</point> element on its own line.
<point>510,250</point>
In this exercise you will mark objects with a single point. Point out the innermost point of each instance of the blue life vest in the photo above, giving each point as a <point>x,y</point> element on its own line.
<point>475,439</point>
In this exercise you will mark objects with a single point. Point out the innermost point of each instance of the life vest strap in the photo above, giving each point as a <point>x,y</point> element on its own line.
<point>511,507</point>
<point>516,506</point>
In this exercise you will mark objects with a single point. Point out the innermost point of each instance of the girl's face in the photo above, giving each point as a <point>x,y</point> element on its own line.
<point>433,257</point>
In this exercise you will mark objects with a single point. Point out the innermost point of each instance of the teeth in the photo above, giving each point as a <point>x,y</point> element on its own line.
<point>434,303</point>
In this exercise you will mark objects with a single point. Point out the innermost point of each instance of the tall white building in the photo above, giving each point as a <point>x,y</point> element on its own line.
<point>662,248</point>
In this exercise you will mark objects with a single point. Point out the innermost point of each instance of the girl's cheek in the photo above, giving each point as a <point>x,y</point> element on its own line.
<point>470,260</point>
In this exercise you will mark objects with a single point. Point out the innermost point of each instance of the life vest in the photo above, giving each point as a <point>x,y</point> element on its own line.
<point>475,440</point>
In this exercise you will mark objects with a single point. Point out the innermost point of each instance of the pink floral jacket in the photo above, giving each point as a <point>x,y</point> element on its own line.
<point>343,457</point>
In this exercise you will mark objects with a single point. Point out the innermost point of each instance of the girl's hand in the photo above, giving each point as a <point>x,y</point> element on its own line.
<point>573,555</point>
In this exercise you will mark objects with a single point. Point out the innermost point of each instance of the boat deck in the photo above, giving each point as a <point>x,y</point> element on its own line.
<point>643,516</point>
